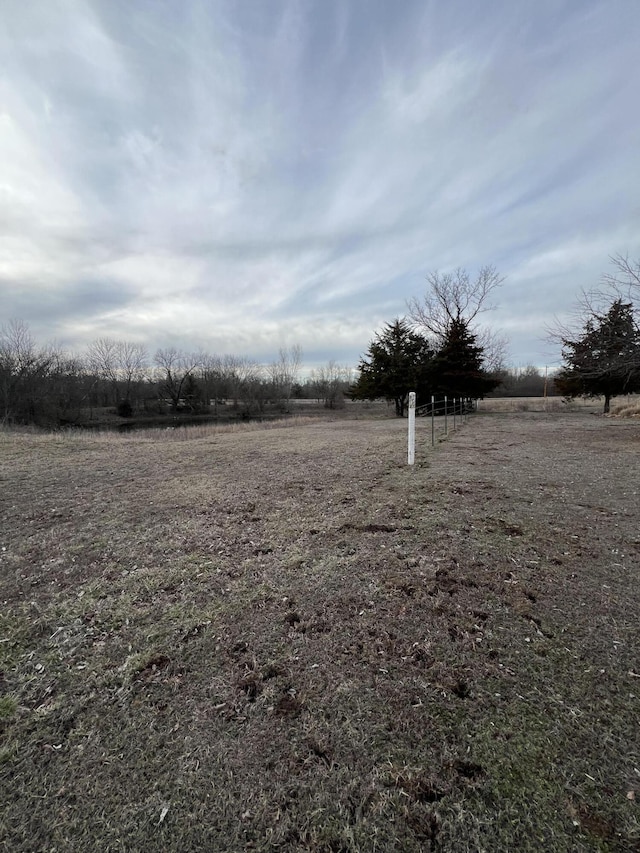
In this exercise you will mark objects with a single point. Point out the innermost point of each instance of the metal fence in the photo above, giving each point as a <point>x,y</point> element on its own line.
<point>445,413</point>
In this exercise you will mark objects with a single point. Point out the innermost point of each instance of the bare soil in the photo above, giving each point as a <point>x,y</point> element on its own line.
<point>288,640</point>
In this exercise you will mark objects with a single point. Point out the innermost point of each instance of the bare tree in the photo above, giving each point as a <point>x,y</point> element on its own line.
<point>229,377</point>
<point>176,371</point>
<point>495,347</point>
<point>66,386</point>
<point>102,359</point>
<point>625,280</point>
<point>211,375</point>
<point>453,297</point>
<point>284,371</point>
<point>132,365</point>
<point>119,364</point>
<point>24,368</point>
<point>330,382</point>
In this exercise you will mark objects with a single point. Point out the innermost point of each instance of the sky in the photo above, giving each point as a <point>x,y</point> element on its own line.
<point>239,176</point>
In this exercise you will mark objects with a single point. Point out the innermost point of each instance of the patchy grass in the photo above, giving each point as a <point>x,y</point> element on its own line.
<point>285,639</point>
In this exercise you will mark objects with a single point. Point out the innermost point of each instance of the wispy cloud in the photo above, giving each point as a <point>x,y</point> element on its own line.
<point>239,175</point>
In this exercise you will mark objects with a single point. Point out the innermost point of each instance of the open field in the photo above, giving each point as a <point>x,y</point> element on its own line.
<point>285,639</point>
<point>624,406</point>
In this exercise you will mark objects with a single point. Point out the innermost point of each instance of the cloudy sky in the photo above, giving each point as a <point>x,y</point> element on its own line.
<point>241,175</point>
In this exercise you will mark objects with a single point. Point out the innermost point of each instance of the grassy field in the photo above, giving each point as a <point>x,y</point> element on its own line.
<point>620,407</point>
<point>285,639</point>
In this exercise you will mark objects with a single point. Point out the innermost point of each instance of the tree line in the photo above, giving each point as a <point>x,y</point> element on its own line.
<point>44,385</point>
<point>439,349</point>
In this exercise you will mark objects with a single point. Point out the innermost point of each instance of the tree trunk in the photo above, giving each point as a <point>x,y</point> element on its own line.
<point>607,402</point>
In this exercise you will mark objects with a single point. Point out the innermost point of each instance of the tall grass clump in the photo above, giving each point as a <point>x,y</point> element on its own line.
<point>627,409</point>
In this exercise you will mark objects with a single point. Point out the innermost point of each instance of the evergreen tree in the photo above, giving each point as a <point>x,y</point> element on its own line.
<point>605,360</point>
<point>397,362</point>
<point>457,369</point>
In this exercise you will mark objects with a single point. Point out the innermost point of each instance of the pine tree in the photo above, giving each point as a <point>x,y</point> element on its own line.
<point>605,360</point>
<point>397,362</point>
<point>457,369</point>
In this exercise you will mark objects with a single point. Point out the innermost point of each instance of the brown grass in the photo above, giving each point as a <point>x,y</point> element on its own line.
<point>285,639</point>
<point>622,407</point>
<point>538,404</point>
<point>627,407</point>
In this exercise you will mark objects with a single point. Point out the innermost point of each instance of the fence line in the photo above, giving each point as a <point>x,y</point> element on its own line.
<point>457,407</point>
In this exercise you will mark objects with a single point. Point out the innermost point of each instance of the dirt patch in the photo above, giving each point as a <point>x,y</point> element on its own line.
<point>289,640</point>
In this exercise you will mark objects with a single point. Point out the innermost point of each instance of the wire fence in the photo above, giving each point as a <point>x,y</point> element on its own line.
<point>445,414</point>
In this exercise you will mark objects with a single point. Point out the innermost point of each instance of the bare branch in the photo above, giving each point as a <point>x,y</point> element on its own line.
<point>453,297</point>
<point>174,369</point>
<point>102,356</point>
<point>625,281</point>
<point>284,371</point>
<point>495,349</point>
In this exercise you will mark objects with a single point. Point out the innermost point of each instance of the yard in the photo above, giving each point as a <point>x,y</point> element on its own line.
<point>285,639</point>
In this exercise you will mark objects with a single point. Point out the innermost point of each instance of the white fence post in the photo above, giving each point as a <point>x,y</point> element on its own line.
<point>433,421</point>
<point>412,428</point>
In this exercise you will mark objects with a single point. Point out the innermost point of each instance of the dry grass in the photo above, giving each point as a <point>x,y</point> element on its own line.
<point>537,404</point>
<point>107,436</point>
<point>285,639</point>
<point>628,407</point>
<point>624,407</point>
